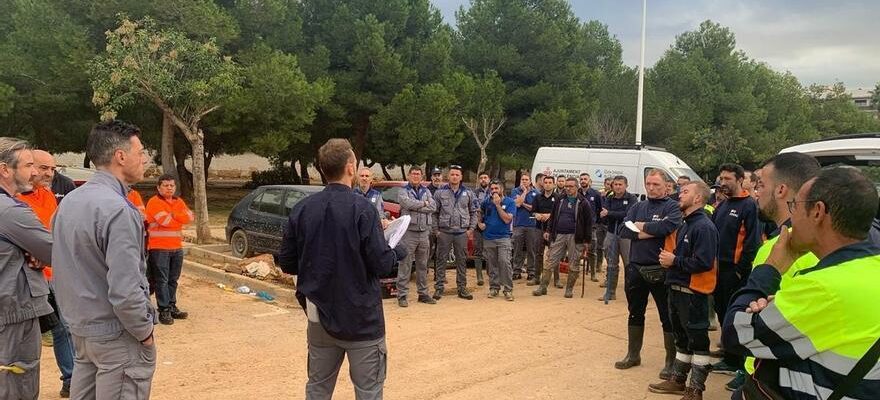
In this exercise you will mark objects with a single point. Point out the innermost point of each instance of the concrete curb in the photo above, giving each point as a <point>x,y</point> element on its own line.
<point>213,275</point>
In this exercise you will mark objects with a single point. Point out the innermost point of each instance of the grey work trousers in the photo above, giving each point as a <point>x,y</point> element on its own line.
<point>20,347</point>
<point>497,254</point>
<point>417,244</point>
<point>367,361</point>
<point>616,248</point>
<point>563,246</point>
<point>458,243</point>
<point>526,260</point>
<point>116,366</point>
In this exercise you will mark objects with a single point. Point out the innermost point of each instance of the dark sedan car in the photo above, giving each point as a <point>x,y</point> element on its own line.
<point>256,223</point>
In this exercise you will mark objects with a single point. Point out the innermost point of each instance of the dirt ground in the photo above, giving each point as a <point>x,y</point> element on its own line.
<point>236,347</point>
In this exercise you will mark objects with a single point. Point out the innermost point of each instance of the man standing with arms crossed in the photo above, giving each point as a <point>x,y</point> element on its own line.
<point>416,201</point>
<point>456,221</point>
<point>739,236</point>
<point>44,203</point>
<point>656,219</point>
<point>334,243</point>
<point>167,214</point>
<point>525,233</point>
<point>482,192</point>
<point>568,230</point>
<point>691,275</point>
<point>100,270</point>
<point>23,289</point>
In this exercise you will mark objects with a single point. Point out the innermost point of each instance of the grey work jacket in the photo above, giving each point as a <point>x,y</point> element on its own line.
<point>412,202</point>
<point>23,290</point>
<point>99,267</point>
<point>456,211</point>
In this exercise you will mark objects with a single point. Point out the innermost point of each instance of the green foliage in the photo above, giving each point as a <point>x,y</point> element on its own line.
<point>164,66</point>
<point>833,112</point>
<point>278,175</point>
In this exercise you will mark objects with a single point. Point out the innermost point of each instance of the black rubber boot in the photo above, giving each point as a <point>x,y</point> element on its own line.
<point>635,335</point>
<point>669,345</point>
<point>478,265</point>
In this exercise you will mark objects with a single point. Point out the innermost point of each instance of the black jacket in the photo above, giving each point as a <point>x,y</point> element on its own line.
<point>662,217</point>
<point>739,234</point>
<point>617,209</point>
<point>584,219</point>
<point>696,248</point>
<point>334,242</point>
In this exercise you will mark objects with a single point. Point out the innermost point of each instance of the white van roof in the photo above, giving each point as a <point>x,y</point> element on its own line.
<point>858,149</point>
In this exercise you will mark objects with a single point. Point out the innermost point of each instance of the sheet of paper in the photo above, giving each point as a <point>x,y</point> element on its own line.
<point>395,230</point>
<point>631,226</point>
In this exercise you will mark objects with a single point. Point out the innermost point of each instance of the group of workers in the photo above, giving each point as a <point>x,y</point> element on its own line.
<point>95,296</point>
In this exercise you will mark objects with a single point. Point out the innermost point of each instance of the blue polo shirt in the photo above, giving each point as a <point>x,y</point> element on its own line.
<point>523,217</point>
<point>374,197</point>
<point>496,228</point>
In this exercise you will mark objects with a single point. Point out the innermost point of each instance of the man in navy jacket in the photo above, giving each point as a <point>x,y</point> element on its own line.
<point>334,242</point>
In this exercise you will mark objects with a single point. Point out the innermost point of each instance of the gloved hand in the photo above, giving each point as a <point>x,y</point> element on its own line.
<point>400,251</point>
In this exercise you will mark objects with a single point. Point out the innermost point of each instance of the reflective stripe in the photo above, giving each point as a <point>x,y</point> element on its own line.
<point>159,215</point>
<point>685,358</point>
<point>702,360</point>
<point>166,234</point>
<point>167,220</point>
<point>788,332</point>
<point>797,381</point>
<point>152,226</point>
<point>742,321</point>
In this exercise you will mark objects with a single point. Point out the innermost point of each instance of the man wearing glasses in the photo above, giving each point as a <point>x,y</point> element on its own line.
<point>456,221</point>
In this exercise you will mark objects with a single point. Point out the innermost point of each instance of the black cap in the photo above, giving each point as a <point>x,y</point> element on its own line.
<point>436,171</point>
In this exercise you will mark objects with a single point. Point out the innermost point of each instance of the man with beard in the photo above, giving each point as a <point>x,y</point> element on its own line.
<point>543,208</point>
<point>779,180</point>
<point>691,278</point>
<point>739,238</point>
<point>24,291</point>
<point>560,184</point>
<point>481,192</point>
<point>526,236</point>
<point>655,219</point>
<point>815,336</point>
<point>497,212</point>
<point>617,206</point>
<point>595,254</point>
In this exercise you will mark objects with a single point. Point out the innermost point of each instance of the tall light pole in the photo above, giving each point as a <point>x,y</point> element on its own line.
<point>641,95</point>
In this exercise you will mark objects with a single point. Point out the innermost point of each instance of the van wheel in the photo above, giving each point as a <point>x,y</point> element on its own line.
<point>239,244</point>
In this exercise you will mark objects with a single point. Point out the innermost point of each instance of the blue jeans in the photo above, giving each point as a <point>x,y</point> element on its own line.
<point>166,266</point>
<point>62,345</point>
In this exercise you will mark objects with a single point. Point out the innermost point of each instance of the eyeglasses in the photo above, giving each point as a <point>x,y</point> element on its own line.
<point>791,204</point>
<point>570,186</point>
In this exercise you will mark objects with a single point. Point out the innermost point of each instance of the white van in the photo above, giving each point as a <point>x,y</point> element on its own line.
<point>603,161</point>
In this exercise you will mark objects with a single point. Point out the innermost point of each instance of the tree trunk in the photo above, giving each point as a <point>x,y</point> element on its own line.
<point>385,172</point>
<point>304,172</point>
<point>402,172</point>
<point>167,147</point>
<point>184,177</point>
<point>296,178</point>
<point>200,188</point>
<point>484,158</point>
<point>360,135</point>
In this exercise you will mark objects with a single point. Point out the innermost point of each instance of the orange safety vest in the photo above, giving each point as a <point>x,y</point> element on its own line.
<point>44,204</point>
<point>135,198</point>
<point>166,219</point>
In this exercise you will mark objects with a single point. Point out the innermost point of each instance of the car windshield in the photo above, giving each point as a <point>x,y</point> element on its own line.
<point>389,193</point>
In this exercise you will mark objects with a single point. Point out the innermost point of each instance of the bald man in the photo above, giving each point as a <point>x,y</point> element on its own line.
<point>43,202</point>
<point>364,188</point>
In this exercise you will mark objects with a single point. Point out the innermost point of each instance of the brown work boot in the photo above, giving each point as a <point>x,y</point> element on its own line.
<point>692,394</point>
<point>668,387</point>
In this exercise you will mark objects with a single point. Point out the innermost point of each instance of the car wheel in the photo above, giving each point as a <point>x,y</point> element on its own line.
<point>239,244</point>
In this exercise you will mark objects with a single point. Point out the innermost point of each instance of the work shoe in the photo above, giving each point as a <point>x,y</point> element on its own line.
<point>610,297</point>
<point>464,294</point>
<point>722,367</point>
<point>558,285</point>
<point>635,336</point>
<point>47,339</point>
<point>508,296</point>
<point>540,291</point>
<point>65,391</point>
<point>569,285</point>
<point>533,282</point>
<point>692,394</point>
<point>480,282</point>
<point>603,284</point>
<point>737,382</point>
<point>668,387</point>
<point>401,302</point>
<point>165,317</point>
<point>423,298</point>
<point>593,278</point>
<point>438,294</point>
<point>493,293</point>
<point>176,313</point>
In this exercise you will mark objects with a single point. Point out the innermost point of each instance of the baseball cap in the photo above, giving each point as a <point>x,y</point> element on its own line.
<point>436,171</point>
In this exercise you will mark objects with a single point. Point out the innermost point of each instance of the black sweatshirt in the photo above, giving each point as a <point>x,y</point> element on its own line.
<point>739,234</point>
<point>617,209</point>
<point>696,248</point>
<point>661,217</point>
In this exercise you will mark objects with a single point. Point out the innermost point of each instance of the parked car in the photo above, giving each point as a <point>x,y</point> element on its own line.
<point>256,223</point>
<point>77,174</point>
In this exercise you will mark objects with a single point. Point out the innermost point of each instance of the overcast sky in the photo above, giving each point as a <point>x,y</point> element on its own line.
<point>818,41</point>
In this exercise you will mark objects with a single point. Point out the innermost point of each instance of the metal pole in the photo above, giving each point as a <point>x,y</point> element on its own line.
<point>641,94</point>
